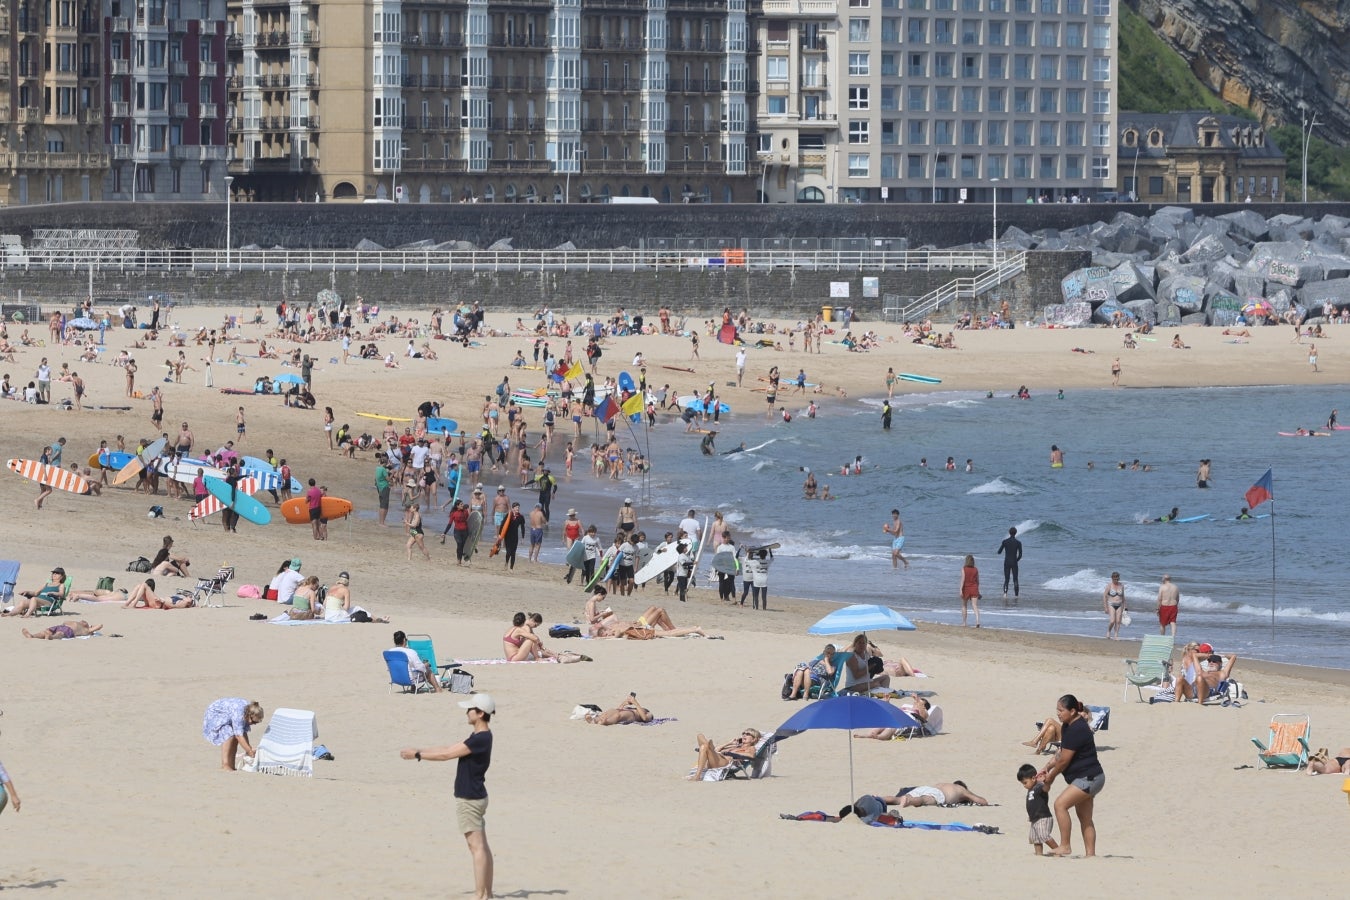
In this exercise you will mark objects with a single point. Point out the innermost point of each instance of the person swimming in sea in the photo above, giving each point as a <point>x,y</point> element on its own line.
<point>1056,457</point>
<point>1170,517</point>
<point>1243,515</point>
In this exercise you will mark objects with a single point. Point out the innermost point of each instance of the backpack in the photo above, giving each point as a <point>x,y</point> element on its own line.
<point>140,564</point>
<point>106,583</point>
<point>564,631</point>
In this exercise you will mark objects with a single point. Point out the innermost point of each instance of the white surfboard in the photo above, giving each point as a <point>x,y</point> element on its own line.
<point>661,561</point>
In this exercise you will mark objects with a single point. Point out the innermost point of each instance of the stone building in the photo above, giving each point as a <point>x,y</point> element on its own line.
<point>1197,157</point>
<point>51,111</point>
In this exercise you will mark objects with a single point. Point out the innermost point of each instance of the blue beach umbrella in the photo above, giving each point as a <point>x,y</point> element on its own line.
<point>83,323</point>
<point>847,713</point>
<point>288,378</point>
<point>862,617</point>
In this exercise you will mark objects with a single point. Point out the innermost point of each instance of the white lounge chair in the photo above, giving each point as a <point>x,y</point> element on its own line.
<point>758,766</point>
<point>287,746</point>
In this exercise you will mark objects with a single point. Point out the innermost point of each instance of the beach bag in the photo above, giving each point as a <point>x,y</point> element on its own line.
<point>787,685</point>
<point>459,682</point>
<point>140,564</point>
<point>564,631</point>
<point>249,592</point>
<point>875,666</point>
<point>106,583</point>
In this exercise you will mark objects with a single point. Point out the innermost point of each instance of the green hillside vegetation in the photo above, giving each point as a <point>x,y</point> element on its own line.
<point>1156,79</point>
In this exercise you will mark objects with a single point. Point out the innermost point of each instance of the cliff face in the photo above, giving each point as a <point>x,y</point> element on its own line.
<point>1265,55</point>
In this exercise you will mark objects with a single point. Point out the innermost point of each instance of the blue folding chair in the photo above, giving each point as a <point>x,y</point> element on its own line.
<point>400,673</point>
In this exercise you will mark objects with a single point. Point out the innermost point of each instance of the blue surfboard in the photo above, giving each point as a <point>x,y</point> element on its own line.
<point>626,382</point>
<point>269,479</point>
<point>247,507</point>
<point>438,426</point>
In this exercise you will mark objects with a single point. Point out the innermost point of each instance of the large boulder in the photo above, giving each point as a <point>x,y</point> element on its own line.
<point>1280,300</point>
<point>1248,224</point>
<point>1186,291</point>
<point>1209,248</point>
<point>1331,229</point>
<point>1248,286</point>
<point>1111,313</point>
<point>1224,308</point>
<point>1286,227</point>
<point>1195,319</point>
<point>1143,311</point>
<point>1131,284</point>
<point>1068,315</point>
<point>1169,314</point>
<point>1092,285</point>
<point>1170,268</point>
<point>1315,294</point>
<point>1176,214</point>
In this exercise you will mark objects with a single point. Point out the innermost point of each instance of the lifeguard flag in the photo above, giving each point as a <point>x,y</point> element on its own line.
<point>1263,490</point>
<point>574,372</point>
<point>634,405</point>
<point>606,409</point>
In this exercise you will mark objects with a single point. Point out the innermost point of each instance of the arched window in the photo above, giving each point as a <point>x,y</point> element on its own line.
<point>344,190</point>
<point>810,195</point>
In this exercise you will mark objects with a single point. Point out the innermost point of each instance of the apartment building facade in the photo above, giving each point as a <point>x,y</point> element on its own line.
<point>163,99</point>
<point>936,100</point>
<point>518,101</point>
<point>51,136</point>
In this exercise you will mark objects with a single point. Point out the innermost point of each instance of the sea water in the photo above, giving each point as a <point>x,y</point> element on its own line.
<point>1077,524</point>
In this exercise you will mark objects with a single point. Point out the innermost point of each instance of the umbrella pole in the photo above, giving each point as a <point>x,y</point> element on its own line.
<point>848,735</point>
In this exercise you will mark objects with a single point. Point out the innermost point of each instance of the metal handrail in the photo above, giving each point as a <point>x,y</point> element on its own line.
<point>135,260</point>
<point>1008,268</point>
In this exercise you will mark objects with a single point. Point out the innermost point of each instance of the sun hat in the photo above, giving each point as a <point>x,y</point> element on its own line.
<point>1205,648</point>
<point>481,702</point>
<point>628,501</point>
<point>295,564</point>
<point>571,512</point>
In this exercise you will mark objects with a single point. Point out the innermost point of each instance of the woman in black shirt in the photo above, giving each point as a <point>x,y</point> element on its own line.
<point>1083,775</point>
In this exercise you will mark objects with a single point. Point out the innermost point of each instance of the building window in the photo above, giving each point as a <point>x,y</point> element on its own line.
<point>1049,167</point>
<point>996,133</point>
<point>1074,7</point>
<point>942,31</point>
<point>777,105</point>
<point>998,99</point>
<point>970,5</point>
<point>890,97</point>
<point>970,99</point>
<point>1073,166</point>
<point>858,165</point>
<point>1049,68</point>
<point>1101,68</point>
<point>890,165</point>
<point>858,64</point>
<point>765,143</point>
<point>1022,34</point>
<point>970,65</point>
<point>1101,167</point>
<point>1022,100</point>
<point>942,65</point>
<point>859,4</point>
<point>1048,7</point>
<point>776,68</point>
<point>1021,134</point>
<point>890,133</point>
<point>1074,134</point>
<point>918,132</point>
<point>1101,103</point>
<point>1073,34</point>
<point>970,167</point>
<point>1073,101</point>
<point>1155,185</point>
<point>1101,37</point>
<point>1022,67</point>
<point>914,165</point>
<point>943,132</point>
<point>916,31</point>
<point>1101,134</point>
<point>998,66</point>
<point>942,99</point>
<point>858,97</point>
<point>1047,134</point>
<point>917,99</point>
<point>1101,7</point>
<point>1049,101</point>
<point>1021,166</point>
<point>917,64</point>
<point>998,34</point>
<point>993,168</point>
<point>858,131</point>
<point>859,30</point>
<point>1074,68</point>
<point>1049,36</point>
<point>970,34</point>
<point>970,133</point>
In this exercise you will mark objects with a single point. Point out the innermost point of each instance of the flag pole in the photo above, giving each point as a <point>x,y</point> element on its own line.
<point>1272,556</point>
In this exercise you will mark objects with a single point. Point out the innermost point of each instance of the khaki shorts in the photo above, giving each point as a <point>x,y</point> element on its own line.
<point>471,814</point>
<point>1041,830</point>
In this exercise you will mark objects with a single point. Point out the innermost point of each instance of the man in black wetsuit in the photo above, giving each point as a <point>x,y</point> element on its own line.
<point>1011,551</point>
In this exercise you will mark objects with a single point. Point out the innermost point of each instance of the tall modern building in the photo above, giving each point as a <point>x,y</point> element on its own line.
<point>518,101</point>
<point>51,117</point>
<point>936,100</point>
<point>164,99</point>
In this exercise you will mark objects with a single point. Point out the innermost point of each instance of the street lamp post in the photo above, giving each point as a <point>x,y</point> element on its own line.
<point>229,180</point>
<point>1308,126</point>
<point>994,181</point>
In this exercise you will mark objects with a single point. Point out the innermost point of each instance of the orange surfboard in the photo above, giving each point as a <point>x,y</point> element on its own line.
<point>296,510</point>
<point>55,476</point>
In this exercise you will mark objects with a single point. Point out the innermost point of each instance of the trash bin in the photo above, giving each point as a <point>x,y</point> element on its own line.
<point>827,313</point>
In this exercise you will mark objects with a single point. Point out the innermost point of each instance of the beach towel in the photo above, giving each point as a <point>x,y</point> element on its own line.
<point>890,821</point>
<point>503,662</point>
<point>653,721</point>
<point>284,619</point>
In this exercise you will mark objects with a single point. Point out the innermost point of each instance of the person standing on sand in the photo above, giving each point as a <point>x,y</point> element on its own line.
<point>896,529</point>
<point>1113,604</point>
<point>1115,372</point>
<point>471,798</point>
<point>1084,777</point>
<point>130,369</point>
<point>1312,356</point>
<point>970,589</point>
<point>740,365</point>
<point>693,341</point>
<point>1169,598</point>
<point>1011,551</point>
<point>7,791</point>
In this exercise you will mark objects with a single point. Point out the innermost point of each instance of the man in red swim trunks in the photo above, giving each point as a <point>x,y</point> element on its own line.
<point>1168,598</point>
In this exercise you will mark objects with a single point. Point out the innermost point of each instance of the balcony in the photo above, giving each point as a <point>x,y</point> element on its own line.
<point>92,116</point>
<point>814,45</point>
<point>178,26</point>
<point>89,70</point>
<point>121,67</point>
<point>121,24</point>
<point>814,82</point>
<point>29,115</point>
<point>195,152</point>
<point>121,109</point>
<point>615,167</point>
<point>525,166</point>
<point>43,160</point>
<point>525,41</point>
<point>696,45</point>
<point>434,165</point>
<point>206,27</point>
<point>616,85</point>
<point>208,111</point>
<point>208,69</point>
<point>800,8</point>
<point>121,151</point>
<point>180,110</point>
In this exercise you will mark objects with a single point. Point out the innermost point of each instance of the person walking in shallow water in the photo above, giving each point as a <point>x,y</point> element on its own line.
<point>1011,551</point>
<point>896,529</point>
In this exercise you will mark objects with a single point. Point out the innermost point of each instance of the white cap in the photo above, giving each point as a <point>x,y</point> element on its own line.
<point>482,702</point>
<point>628,501</point>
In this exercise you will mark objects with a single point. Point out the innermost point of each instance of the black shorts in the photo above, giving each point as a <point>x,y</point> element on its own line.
<point>623,573</point>
<point>157,416</point>
<point>627,526</point>
<point>315,513</point>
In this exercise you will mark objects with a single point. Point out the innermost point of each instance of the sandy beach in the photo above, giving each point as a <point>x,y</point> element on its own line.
<point>121,794</point>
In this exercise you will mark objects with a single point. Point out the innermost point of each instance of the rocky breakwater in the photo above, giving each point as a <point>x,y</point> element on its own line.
<point>1265,55</point>
<point>1177,268</point>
